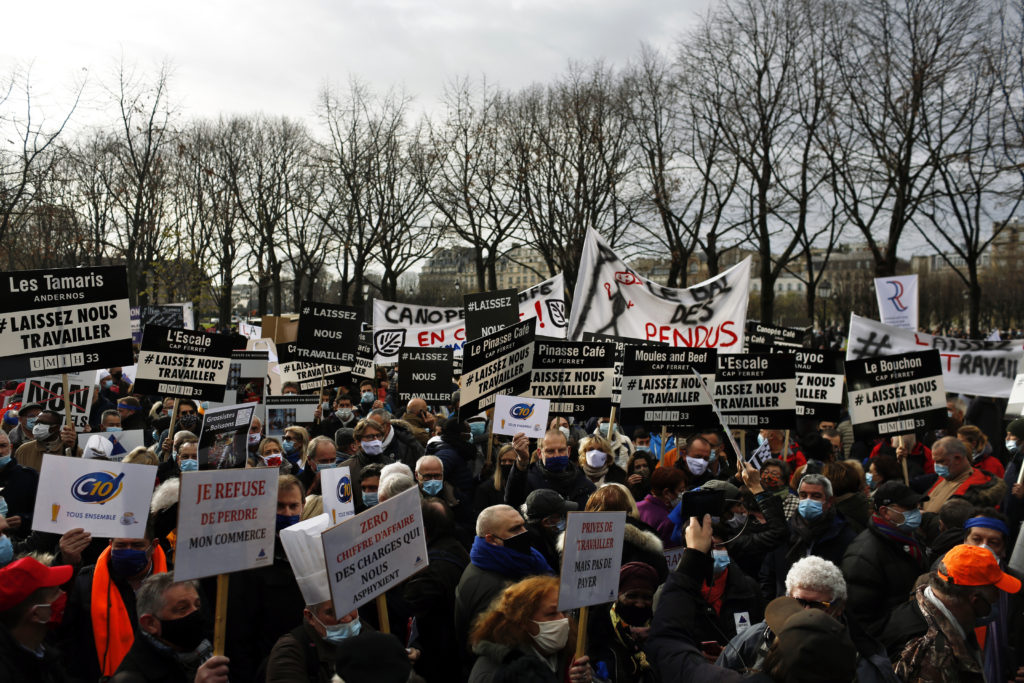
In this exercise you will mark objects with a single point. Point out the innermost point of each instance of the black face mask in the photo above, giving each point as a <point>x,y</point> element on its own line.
<point>634,615</point>
<point>185,633</point>
<point>519,543</point>
<point>188,421</point>
<point>506,470</point>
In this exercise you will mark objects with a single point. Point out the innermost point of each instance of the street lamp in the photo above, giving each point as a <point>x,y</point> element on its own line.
<point>825,293</point>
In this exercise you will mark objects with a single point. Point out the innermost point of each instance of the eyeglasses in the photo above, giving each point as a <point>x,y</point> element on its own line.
<point>813,604</point>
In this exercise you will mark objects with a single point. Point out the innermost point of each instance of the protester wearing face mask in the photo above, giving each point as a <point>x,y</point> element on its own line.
<point>432,479</point>
<point>638,474</point>
<point>491,491</point>
<point>816,529</point>
<point>621,445</point>
<point>370,437</point>
<point>667,485</point>
<point>982,456</point>
<point>188,420</point>
<point>30,598</point>
<point>596,461</point>
<point>173,637</point>
<point>958,478</point>
<point>369,481</point>
<point>397,442</point>
<point>616,634</point>
<point>294,444</point>
<point>458,454</point>
<point>321,454</point>
<point>527,637</point>
<point>544,512</point>
<point>775,480</point>
<point>367,398</point>
<point>49,435</point>
<point>1013,501</point>
<point>27,415</point>
<point>97,631</point>
<point>883,561</point>
<point>553,470</point>
<point>18,487</point>
<point>700,461</point>
<point>270,453</point>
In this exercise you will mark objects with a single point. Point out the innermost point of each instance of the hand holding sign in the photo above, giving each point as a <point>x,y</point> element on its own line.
<point>522,445</point>
<point>751,476</point>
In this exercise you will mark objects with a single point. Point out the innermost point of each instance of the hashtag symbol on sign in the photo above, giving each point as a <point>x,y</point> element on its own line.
<point>631,385</point>
<point>305,310</point>
<point>870,343</point>
<point>859,400</point>
<point>3,324</point>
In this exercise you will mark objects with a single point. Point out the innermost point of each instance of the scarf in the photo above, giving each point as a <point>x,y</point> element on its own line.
<point>714,593</point>
<point>509,563</point>
<point>910,544</point>
<point>112,629</point>
<point>629,641</point>
<point>595,473</point>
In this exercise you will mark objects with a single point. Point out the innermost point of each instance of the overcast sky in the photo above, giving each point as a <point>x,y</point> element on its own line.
<point>261,55</point>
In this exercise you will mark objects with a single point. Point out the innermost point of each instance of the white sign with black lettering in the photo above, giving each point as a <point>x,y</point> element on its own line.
<point>48,391</point>
<point>110,445</point>
<point>896,394</point>
<point>183,363</point>
<point>592,559</point>
<point>375,550</point>
<point>336,487</point>
<point>756,391</point>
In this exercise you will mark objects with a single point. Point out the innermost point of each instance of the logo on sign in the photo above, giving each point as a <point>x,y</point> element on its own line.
<point>344,489</point>
<point>897,292</point>
<point>97,487</point>
<point>521,411</point>
<point>387,342</point>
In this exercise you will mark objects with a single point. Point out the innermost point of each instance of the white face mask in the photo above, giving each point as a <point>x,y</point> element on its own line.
<point>41,431</point>
<point>373,447</point>
<point>553,635</point>
<point>596,458</point>
<point>696,465</point>
<point>565,431</point>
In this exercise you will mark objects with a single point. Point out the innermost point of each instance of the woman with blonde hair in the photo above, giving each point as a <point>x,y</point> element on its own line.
<point>640,542</point>
<point>598,463</point>
<point>491,491</point>
<point>981,450</point>
<point>294,443</point>
<point>525,636</point>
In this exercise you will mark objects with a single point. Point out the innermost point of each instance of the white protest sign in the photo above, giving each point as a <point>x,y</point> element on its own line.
<point>48,391</point>
<point>514,414</point>
<point>611,298</point>
<point>969,366</point>
<point>226,521</point>
<point>673,555</point>
<point>1015,406</point>
<point>107,499</point>
<point>120,443</point>
<point>897,300</point>
<point>592,558</point>
<point>250,331</point>
<point>396,324</point>
<point>375,550</point>
<point>336,488</point>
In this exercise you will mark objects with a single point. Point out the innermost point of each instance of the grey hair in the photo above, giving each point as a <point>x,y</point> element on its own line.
<point>959,404</point>
<point>385,416</point>
<point>486,520</point>
<point>183,436</point>
<point>952,446</point>
<point>150,597</point>
<point>818,480</point>
<point>315,442</point>
<point>394,468</point>
<point>816,574</point>
<point>424,458</point>
<point>393,485</point>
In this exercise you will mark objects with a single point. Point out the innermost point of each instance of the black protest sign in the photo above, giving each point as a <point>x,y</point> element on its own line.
<point>499,363</point>
<point>489,312</point>
<point>64,320</point>
<point>819,384</point>
<point>328,334</point>
<point>183,363</point>
<point>426,374</point>
<point>223,441</point>
<point>165,316</point>
<point>309,376</point>
<point>577,377</point>
<point>659,387</point>
<point>762,338</point>
<point>899,394</point>
<point>363,366</point>
<point>756,391</point>
<point>620,353</point>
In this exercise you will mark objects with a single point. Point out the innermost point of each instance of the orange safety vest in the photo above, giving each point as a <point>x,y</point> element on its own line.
<point>111,627</point>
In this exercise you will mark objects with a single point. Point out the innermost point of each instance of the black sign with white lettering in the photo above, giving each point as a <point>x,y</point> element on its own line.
<point>183,363</point>
<point>309,376</point>
<point>756,391</point>
<point>577,377</point>
<point>892,395</point>
<point>426,374</point>
<point>819,384</point>
<point>763,338</point>
<point>620,354</point>
<point>490,312</point>
<point>66,320</point>
<point>166,316</point>
<point>499,363</point>
<point>328,334</point>
<point>223,439</point>
<point>659,387</point>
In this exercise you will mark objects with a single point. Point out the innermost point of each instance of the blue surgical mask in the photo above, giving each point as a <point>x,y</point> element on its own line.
<point>188,465</point>
<point>3,507</point>
<point>107,383</point>
<point>285,521</point>
<point>6,551</point>
<point>1011,446</point>
<point>325,406</point>
<point>870,479</point>
<point>479,429</point>
<point>113,429</point>
<point>320,466</point>
<point>367,397</point>
<point>557,463</point>
<point>288,445</point>
<point>603,428</point>
<point>560,525</point>
<point>942,471</point>
<point>126,562</point>
<point>432,487</point>
<point>911,520</point>
<point>713,456</point>
<point>761,440</point>
<point>369,498</point>
<point>721,558</point>
<point>4,460</point>
<point>341,632</point>
<point>810,509</point>
<point>30,422</point>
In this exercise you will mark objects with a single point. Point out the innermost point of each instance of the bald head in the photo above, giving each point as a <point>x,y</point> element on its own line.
<point>415,406</point>
<point>501,521</point>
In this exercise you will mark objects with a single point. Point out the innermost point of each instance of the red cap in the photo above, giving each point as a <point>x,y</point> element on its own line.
<point>970,565</point>
<point>21,578</point>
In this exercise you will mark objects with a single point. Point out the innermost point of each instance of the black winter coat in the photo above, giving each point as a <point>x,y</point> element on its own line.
<point>571,484</point>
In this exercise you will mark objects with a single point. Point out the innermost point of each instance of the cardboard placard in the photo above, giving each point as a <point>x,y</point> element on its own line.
<point>328,334</point>
<point>223,440</point>
<point>247,376</point>
<point>363,367</point>
<point>819,384</point>
<point>660,387</point>
<point>426,374</point>
<point>183,363</point>
<point>107,499</point>
<point>309,376</point>
<point>514,414</point>
<point>226,521</point>
<point>48,391</point>
<point>375,550</point>
<point>763,338</point>
<point>496,364</point>
<point>896,394</point>
<point>337,488</point>
<point>592,559</point>
<point>289,409</point>
<point>121,443</point>
<point>577,377</point>
<point>490,312</point>
<point>756,391</point>
<point>64,320</point>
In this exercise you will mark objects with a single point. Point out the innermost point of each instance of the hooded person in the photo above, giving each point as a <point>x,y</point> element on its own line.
<point>308,652</point>
<point>616,634</point>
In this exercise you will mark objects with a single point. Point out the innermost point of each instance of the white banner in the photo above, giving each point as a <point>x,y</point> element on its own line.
<point>514,414</point>
<point>396,325</point>
<point>592,559</point>
<point>120,443</point>
<point>336,489</point>
<point>611,298</point>
<point>969,366</point>
<point>897,300</point>
<point>107,499</point>
<point>375,550</point>
<point>48,391</point>
<point>226,521</point>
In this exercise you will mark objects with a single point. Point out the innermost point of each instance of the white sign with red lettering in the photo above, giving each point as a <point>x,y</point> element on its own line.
<point>226,521</point>
<point>592,558</point>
